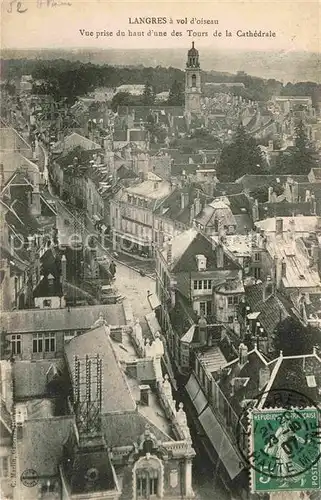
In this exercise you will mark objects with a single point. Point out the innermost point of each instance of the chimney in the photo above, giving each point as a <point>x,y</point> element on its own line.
<point>318,225</point>
<point>197,205</point>
<point>192,214</point>
<point>315,254</point>
<point>144,395</point>
<point>267,288</point>
<point>264,377</point>
<point>202,328</point>
<point>1,175</point>
<point>279,226</point>
<point>270,194</point>
<point>169,253</point>
<point>219,257</point>
<point>63,269</point>
<point>243,354</point>
<point>184,200</point>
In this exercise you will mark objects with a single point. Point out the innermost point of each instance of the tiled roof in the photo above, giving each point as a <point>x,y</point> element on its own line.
<point>124,428</point>
<point>293,372</point>
<point>11,140</point>
<point>302,224</point>
<point>76,474</point>
<point>116,396</point>
<point>172,204</point>
<point>30,378</point>
<point>272,311</point>
<point>190,243</point>
<point>316,172</point>
<point>120,135</point>
<point>151,189</point>
<point>250,371</point>
<point>216,210</point>
<point>138,135</point>
<point>77,318</point>
<point>227,188</point>
<point>251,182</point>
<point>284,209</point>
<point>75,139</point>
<point>43,456</point>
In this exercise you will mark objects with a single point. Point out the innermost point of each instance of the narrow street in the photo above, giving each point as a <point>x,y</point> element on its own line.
<point>134,287</point>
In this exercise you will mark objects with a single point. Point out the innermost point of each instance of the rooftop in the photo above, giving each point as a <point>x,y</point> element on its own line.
<point>116,395</point>
<point>74,318</point>
<point>155,190</point>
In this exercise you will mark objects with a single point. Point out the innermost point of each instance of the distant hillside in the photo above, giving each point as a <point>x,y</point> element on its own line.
<point>285,67</point>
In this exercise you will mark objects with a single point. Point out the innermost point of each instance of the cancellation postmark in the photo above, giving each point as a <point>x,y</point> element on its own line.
<point>29,478</point>
<point>284,450</point>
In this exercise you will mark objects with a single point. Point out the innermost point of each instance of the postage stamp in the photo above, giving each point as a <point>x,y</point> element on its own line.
<point>285,450</point>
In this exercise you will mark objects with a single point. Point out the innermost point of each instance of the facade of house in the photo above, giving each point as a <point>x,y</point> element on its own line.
<point>132,215</point>
<point>197,283</point>
<point>292,253</point>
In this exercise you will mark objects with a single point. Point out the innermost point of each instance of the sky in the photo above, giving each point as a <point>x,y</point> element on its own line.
<point>53,24</point>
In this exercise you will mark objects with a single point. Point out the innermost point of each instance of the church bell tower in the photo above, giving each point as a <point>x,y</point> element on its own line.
<point>193,91</point>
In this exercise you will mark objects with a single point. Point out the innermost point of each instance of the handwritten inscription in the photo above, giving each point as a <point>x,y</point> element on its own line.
<point>52,3</point>
<point>18,6</point>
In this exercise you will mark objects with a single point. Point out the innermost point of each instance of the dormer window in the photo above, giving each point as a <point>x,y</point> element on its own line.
<point>201,262</point>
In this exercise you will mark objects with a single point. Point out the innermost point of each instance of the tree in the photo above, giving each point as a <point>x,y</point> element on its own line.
<point>302,158</point>
<point>121,99</point>
<point>148,95</point>
<point>297,160</point>
<point>176,94</point>
<point>240,157</point>
<point>157,133</point>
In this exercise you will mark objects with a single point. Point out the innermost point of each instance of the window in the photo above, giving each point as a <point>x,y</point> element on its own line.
<point>257,257</point>
<point>193,80</point>
<point>235,300</point>
<point>4,467</point>
<point>47,303</point>
<point>15,344</point>
<point>50,342</point>
<point>230,300</point>
<point>44,342</point>
<point>195,284</point>
<point>200,285</point>
<point>257,273</point>
<point>147,483</point>
<point>205,284</point>
<point>203,307</point>
<point>230,319</point>
<point>209,284</point>
<point>37,342</point>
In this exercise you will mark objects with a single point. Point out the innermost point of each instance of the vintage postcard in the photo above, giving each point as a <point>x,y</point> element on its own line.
<point>160,250</point>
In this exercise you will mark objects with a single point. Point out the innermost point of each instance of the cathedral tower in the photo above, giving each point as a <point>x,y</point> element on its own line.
<point>193,89</point>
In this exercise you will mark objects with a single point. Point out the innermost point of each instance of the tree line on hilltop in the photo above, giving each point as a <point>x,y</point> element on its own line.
<point>64,78</point>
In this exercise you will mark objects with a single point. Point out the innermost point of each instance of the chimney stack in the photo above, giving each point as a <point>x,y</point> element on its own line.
<point>144,395</point>
<point>219,257</point>
<point>63,269</point>
<point>315,254</point>
<point>184,200</point>
<point>279,226</point>
<point>197,205</point>
<point>169,252</point>
<point>243,354</point>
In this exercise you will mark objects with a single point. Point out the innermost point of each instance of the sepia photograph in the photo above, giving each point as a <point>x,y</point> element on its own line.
<point>160,250</point>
